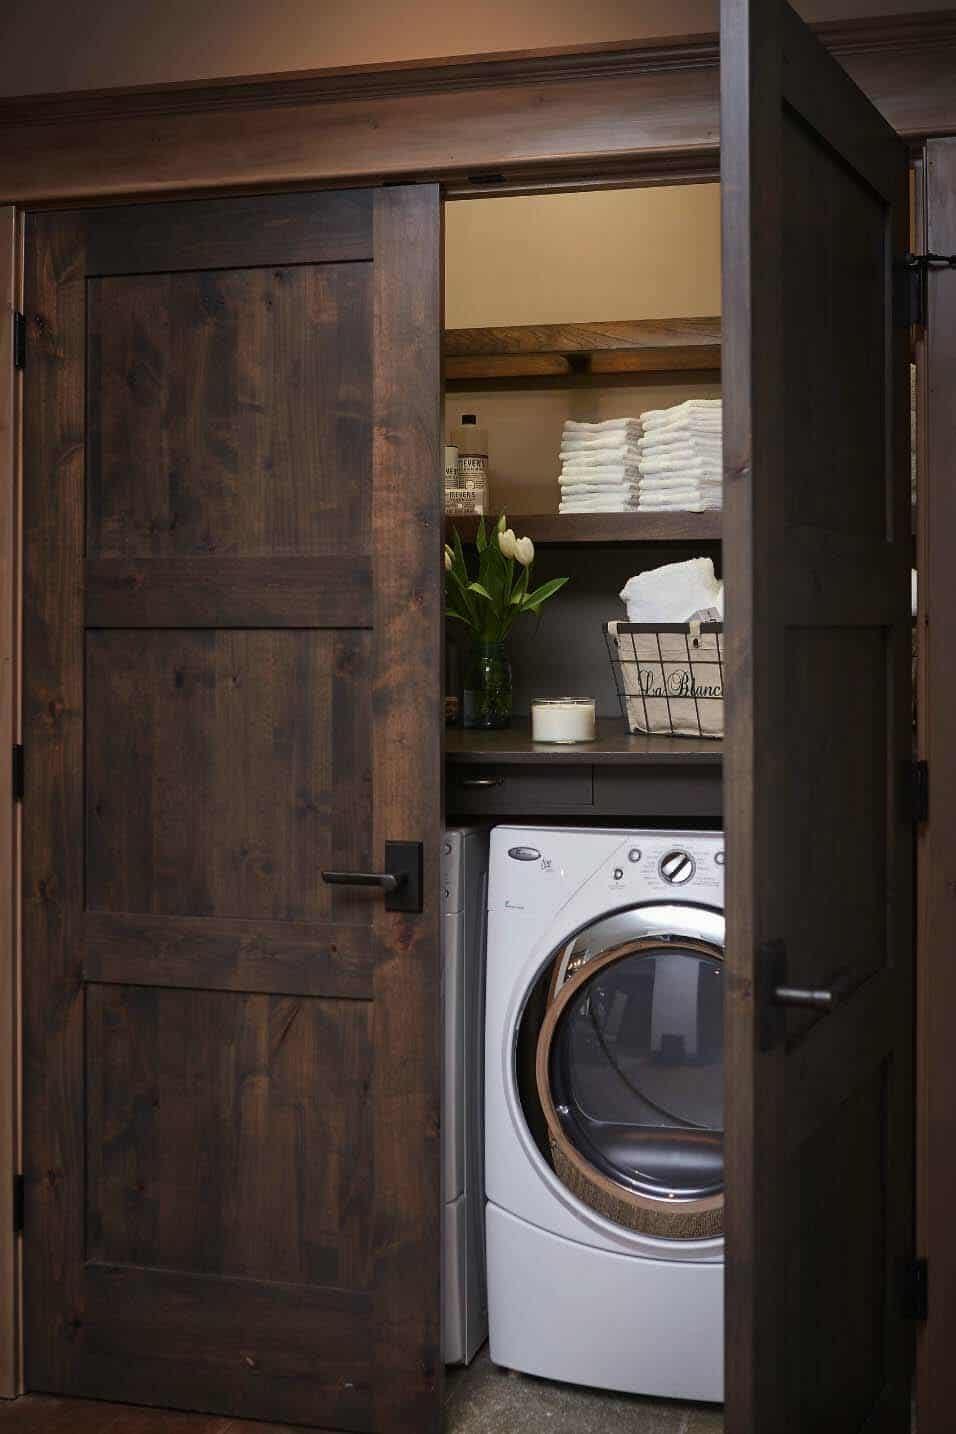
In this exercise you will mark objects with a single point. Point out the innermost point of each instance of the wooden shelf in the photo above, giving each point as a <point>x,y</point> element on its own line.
<point>567,350</point>
<point>547,528</point>
<point>615,746</point>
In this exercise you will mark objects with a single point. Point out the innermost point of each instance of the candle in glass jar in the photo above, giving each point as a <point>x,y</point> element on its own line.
<point>563,719</point>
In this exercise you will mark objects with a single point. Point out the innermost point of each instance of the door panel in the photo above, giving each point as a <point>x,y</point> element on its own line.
<point>229,412</point>
<point>232,647</point>
<point>817,557</point>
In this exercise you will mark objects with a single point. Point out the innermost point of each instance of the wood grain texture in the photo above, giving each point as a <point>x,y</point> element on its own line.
<point>819,844</point>
<point>223,954</point>
<point>627,346</point>
<point>936,507</point>
<point>639,111</point>
<point>221,234</point>
<point>221,592</point>
<point>584,338</point>
<point>614,744</point>
<point>209,791</point>
<point>52,846</point>
<point>228,410</point>
<point>10,277</point>
<point>407,779</point>
<point>153,1156</point>
<point>233,1069</point>
<point>46,1414</point>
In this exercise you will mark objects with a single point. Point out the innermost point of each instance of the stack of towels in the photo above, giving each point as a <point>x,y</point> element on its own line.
<point>600,466</point>
<point>679,457</point>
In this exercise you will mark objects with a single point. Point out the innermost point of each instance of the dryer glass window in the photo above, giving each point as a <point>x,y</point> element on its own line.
<point>636,1072</point>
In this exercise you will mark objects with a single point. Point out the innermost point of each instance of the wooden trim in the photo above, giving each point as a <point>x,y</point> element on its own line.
<point>653,334</point>
<point>555,1129</point>
<point>406,766</point>
<point>903,33</point>
<point>634,527</point>
<point>615,346</point>
<point>222,592</point>
<point>229,954</point>
<point>10,284</point>
<point>638,112</point>
<point>936,841</point>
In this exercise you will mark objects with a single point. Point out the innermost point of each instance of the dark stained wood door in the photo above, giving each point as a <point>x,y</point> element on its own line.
<point>819,734</point>
<point>232,682</point>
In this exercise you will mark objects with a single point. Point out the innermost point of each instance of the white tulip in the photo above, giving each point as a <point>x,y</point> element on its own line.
<point>502,523</point>
<point>449,558</point>
<point>507,542</point>
<point>524,551</point>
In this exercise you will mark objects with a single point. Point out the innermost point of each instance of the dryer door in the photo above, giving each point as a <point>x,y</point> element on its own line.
<point>630,1076</point>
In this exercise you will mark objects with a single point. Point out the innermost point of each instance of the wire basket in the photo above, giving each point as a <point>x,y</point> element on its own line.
<point>669,676</point>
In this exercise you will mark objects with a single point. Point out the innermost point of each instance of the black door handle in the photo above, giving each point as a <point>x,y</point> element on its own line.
<point>384,879</point>
<point>401,882</point>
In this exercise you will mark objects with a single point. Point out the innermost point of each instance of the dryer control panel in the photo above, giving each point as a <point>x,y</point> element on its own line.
<point>534,869</point>
<point>678,864</point>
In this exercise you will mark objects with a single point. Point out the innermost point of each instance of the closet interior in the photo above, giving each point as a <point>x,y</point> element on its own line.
<point>580,307</point>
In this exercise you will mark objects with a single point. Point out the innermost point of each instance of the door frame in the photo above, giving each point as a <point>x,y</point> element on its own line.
<point>596,116</point>
<point>934,226</point>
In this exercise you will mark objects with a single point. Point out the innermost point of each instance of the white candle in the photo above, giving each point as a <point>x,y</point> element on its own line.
<point>563,719</point>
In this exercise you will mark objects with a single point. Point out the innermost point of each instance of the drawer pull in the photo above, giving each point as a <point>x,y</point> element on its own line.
<point>482,783</point>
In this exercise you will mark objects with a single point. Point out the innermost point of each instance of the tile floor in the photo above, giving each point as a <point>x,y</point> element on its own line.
<point>483,1399</point>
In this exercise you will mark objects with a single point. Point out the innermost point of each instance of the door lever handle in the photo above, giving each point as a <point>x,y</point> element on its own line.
<point>805,996</point>
<point>402,883</point>
<point>386,880</point>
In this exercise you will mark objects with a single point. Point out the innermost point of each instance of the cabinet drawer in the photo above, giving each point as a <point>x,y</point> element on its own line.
<point>512,788</point>
<point>636,792</point>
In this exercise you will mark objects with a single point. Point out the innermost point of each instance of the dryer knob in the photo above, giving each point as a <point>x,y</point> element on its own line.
<point>677,867</point>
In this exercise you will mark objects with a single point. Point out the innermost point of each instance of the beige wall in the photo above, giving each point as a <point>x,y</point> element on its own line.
<point>623,254</point>
<point>88,44</point>
<point>565,258</point>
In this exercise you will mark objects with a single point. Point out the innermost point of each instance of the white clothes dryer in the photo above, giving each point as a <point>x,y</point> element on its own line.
<point>604,1108</point>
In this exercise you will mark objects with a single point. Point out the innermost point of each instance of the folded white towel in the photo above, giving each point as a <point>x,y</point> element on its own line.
<point>614,472</point>
<point>679,484</point>
<point>580,500</point>
<point>629,495</point>
<point>679,415</point>
<point>618,505</point>
<point>692,467</point>
<point>595,457</point>
<point>685,427</point>
<point>607,425</point>
<point>691,408</point>
<point>696,504</point>
<point>605,440</point>
<point>671,593</point>
<point>680,442</point>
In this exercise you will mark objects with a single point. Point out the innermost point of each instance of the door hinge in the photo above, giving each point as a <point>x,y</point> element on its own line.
<point>915,1291</point>
<point>18,772</point>
<point>910,289</point>
<point>919,791</point>
<point>18,1198</point>
<point>19,340</point>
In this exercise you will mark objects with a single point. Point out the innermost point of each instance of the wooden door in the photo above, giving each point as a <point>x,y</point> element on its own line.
<point>819,737</point>
<point>936,1073</point>
<point>232,682</point>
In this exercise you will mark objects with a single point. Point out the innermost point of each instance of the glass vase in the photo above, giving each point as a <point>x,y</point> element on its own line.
<point>487,687</point>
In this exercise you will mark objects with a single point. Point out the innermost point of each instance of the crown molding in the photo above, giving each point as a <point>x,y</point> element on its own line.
<point>927,30</point>
<point>402,79</point>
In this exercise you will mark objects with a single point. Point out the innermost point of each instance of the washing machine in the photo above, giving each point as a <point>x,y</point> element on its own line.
<point>604,1108</point>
